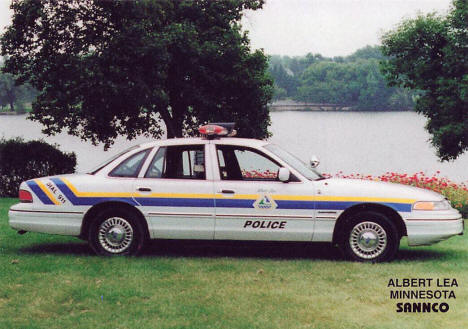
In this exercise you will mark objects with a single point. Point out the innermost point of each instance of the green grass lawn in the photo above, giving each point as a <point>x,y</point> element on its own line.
<point>55,282</point>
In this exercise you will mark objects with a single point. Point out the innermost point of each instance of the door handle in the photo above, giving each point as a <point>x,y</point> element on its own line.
<point>144,189</point>
<point>227,191</point>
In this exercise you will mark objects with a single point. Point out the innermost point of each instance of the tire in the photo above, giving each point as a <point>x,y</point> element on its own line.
<point>370,237</point>
<point>116,232</point>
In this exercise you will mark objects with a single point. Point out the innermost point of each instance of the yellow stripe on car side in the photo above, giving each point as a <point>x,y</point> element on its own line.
<point>46,191</point>
<point>234,197</point>
<point>95,194</point>
<point>175,195</point>
<point>138,195</point>
<point>237,196</point>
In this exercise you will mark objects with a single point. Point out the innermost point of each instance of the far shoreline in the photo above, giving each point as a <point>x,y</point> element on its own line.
<point>291,105</point>
<point>339,110</point>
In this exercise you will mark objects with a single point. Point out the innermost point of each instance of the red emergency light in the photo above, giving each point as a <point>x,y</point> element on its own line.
<point>213,130</point>
<point>210,130</point>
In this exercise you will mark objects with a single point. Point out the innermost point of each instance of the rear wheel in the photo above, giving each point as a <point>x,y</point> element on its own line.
<point>370,237</point>
<point>116,232</point>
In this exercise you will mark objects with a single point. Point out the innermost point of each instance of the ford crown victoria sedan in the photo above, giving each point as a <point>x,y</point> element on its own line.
<point>225,188</point>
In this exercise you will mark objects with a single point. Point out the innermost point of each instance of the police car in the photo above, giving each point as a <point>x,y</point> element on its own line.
<point>217,187</point>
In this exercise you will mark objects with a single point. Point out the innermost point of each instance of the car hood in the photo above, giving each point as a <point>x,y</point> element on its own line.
<point>374,189</point>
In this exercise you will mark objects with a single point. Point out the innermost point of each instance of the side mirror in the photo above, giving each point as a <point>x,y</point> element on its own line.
<point>314,161</point>
<point>283,174</point>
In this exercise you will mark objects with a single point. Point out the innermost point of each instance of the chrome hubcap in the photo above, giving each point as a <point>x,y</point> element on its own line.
<point>115,235</point>
<point>368,240</point>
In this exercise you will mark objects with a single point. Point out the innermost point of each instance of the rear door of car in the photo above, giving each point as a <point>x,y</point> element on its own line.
<point>176,194</point>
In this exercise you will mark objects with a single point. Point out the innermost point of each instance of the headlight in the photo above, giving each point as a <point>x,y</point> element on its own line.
<point>432,205</point>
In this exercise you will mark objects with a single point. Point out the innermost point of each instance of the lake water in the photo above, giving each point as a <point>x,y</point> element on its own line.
<point>353,142</point>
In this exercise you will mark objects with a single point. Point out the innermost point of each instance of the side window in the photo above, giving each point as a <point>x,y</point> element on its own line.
<point>239,163</point>
<point>130,166</point>
<point>182,162</point>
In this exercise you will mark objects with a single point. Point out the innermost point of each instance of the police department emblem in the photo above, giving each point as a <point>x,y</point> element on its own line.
<point>265,202</point>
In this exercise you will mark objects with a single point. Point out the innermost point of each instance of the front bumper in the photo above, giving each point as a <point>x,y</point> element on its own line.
<point>429,227</point>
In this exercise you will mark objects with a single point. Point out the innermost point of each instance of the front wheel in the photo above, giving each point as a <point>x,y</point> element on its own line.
<point>116,232</point>
<point>370,237</point>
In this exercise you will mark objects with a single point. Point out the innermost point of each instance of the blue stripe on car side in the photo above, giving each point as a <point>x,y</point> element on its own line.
<point>342,205</point>
<point>203,202</point>
<point>234,203</point>
<point>40,194</point>
<point>405,207</point>
<point>87,201</point>
<point>286,204</point>
<point>175,202</point>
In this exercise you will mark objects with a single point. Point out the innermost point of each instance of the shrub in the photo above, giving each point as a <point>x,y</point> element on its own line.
<point>22,160</point>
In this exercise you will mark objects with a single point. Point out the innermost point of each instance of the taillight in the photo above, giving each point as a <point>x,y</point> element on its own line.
<point>25,196</point>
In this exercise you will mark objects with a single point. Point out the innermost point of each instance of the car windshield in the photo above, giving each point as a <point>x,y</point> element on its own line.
<point>105,163</point>
<point>294,162</point>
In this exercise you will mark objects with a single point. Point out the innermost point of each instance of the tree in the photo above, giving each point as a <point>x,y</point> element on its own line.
<point>367,52</point>
<point>7,91</point>
<point>109,68</point>
<point>429,53</point>
<point>279,93</point>
<point>13,95</point>
<point>283,80</point>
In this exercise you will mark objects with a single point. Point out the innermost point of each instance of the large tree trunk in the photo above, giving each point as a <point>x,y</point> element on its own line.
<point>11,96</point>
<point>174,128</point>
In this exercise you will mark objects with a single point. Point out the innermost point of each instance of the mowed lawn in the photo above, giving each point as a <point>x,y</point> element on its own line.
<point>56,282</point>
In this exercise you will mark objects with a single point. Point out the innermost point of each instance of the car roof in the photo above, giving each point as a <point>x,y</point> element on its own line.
<point>198,140</point>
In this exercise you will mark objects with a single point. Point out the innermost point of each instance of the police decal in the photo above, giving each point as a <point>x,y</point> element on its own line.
<point>265,201</point>
<point>265,224</point>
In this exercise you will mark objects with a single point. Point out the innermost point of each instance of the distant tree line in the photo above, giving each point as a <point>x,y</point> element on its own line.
<point>353,81</point>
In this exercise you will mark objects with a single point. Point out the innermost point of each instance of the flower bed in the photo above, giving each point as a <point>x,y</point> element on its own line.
<point>259,174</point>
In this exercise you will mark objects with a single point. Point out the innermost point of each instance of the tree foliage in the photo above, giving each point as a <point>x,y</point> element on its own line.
<point>430,53</point>
<point>109,68</point>
<point>283,80</point>
<point>365,53</point>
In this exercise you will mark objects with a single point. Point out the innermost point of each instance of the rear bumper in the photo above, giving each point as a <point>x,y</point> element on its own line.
<point>23,218</point>
<point>425,228</point>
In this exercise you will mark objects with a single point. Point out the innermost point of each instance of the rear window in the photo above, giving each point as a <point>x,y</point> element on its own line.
<point>131,166</point>
<point>108,161</point>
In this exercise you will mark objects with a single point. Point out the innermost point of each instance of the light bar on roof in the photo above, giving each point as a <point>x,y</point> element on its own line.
<point>213,130</point>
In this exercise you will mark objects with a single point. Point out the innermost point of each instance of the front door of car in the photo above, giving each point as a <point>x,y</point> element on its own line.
<point>175,195</point>
<point>252,204</point>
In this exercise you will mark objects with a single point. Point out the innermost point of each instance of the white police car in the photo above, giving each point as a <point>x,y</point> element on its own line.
<point>224,188</point>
